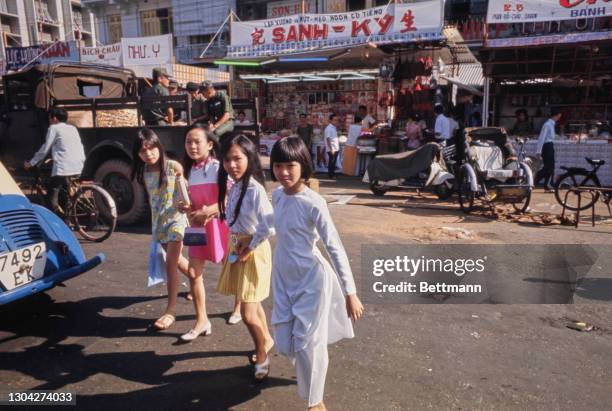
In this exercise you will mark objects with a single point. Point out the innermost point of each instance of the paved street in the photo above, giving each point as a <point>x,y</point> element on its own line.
<point>91,336</point>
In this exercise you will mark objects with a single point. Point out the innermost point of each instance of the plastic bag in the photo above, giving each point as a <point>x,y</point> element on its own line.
<point>157,264</point>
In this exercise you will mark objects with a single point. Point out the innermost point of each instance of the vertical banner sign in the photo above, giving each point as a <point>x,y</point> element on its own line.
<point>18,57</point>
<point>109,55</point>
<point>143,54</point>
<point>397,23</point>
<point>518,11</point>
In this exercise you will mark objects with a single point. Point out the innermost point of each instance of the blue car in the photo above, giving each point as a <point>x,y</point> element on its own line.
<point>37,250</point>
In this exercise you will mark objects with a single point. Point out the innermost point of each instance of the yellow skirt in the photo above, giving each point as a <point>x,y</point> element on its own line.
<point>249,281</point>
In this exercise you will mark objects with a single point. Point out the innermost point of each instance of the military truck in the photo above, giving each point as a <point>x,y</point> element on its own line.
<point>103,102</point>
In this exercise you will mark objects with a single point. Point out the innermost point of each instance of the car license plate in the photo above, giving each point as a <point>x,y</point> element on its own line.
<point>22,266</point>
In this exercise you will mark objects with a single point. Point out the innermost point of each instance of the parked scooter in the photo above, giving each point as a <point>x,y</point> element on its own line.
<point>426,168</point>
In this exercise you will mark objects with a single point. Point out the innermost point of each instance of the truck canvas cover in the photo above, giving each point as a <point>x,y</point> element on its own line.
<point>68,82</point>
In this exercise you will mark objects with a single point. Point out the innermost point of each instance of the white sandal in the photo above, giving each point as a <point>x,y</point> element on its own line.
<point>234,319</point>
<point>262,370</point>
<point>193,334</point>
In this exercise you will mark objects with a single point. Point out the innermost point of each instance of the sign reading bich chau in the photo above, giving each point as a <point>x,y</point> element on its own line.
<point>421,21</point>
<point>519,11</point>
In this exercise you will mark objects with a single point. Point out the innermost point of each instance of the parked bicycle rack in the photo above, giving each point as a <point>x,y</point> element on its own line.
<point>594,192</point>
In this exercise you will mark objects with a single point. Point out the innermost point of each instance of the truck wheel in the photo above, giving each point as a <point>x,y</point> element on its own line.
<point>129,195</point>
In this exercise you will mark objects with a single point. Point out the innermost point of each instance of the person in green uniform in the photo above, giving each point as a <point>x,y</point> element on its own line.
<point>305,131</point>
<point>198,105</point>
<point>220,111</point>
<point>157,116</point>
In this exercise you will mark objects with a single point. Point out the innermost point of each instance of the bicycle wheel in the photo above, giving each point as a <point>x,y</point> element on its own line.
<point>523,180</point>
<point>94,213</point>
<point>576,179</point>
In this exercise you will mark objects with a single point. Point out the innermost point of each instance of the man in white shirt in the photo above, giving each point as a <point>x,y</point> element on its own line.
<point>367,121</point>
<point>332,143</point>
<point>442,127</point>
<point>546,149</point>
<point>67,152</point>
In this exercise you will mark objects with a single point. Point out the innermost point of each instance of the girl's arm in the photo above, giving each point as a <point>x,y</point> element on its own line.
<point>265,217</point>
<point>333,245</point>
<point>265,226</point>
<point>330,238</point>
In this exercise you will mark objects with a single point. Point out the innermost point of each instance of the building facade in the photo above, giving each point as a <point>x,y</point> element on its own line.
<point>192,23</point>
<point>262,9</point>
<point>31,22</point>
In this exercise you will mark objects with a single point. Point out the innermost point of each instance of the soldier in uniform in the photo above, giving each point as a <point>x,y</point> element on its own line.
<point>220,111</point>
<point>161,82</point>
<point>198,104</point>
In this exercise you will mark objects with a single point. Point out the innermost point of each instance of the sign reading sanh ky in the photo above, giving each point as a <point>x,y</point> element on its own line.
<point>421,21</point>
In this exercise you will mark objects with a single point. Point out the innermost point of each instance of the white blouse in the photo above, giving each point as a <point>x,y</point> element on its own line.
<point>255,216</point>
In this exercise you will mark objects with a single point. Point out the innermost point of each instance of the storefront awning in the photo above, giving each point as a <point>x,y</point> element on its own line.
<point>467,77</point>
<point>307,76</point>
<point>459,83</point>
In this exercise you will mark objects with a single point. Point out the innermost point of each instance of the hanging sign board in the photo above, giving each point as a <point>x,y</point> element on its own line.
<point>395,23</point>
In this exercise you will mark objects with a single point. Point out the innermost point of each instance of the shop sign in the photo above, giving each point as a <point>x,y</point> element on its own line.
<point>519,11</point>
<point>143,54</point>
<point>396,23</point>
<point>109,55</point>
<point>18,57</point>
<point>335,6</point>
<point>287,8</point>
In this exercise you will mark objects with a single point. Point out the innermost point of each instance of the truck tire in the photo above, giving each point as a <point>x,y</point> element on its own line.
<point>129,195</point>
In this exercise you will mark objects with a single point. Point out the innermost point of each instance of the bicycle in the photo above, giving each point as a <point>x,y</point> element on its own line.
<point>86,207</point>
<point>575,177</point>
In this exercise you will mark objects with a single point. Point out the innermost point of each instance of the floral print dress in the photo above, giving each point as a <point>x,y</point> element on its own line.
<point>168,223</point>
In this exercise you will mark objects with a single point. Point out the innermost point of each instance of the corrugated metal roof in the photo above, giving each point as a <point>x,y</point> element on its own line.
<point>467,76</point>
<point>457,47</point>
<point>470,74</point>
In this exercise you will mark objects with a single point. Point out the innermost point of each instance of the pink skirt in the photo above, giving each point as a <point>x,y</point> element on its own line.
<point>217,236</point>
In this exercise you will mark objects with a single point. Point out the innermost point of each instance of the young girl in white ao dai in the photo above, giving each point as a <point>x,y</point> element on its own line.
<point>313,301</point>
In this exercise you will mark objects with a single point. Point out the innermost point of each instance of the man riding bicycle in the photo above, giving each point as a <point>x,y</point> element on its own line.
<point>64,142</point>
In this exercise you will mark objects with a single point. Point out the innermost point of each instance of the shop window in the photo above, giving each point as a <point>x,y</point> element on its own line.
<point>252,11</point>
<point>19,94</point>
<point>378,3</point>
<point>200,39</point>
<point>89,89</point>
<point>353,5</point>
<point>156,22</point>
<point>114,28</point>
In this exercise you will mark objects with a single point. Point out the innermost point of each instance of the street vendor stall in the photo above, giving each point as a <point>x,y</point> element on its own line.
<point>321,64</point>
<point>544,57</point>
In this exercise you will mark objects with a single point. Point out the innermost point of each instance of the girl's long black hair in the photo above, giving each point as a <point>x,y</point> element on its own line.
<point>188,162</point>
<point>253,170</point>
<point>148,136</point>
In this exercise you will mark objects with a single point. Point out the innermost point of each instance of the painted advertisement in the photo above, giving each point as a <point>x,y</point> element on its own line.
<point>19,57</point>
<point>395,23</point>
<point>519,11</point>
<point>143,54</point>
<point>109,55</point>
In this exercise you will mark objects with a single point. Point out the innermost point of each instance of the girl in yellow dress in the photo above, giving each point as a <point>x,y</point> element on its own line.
<point>248,266</point>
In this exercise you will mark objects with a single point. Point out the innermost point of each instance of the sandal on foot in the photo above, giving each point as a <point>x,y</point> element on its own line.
<point>253,356</point>
<point>193,333</point>
<point>262,370</point>
<point>164,322</point>
<point>235,318</point>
